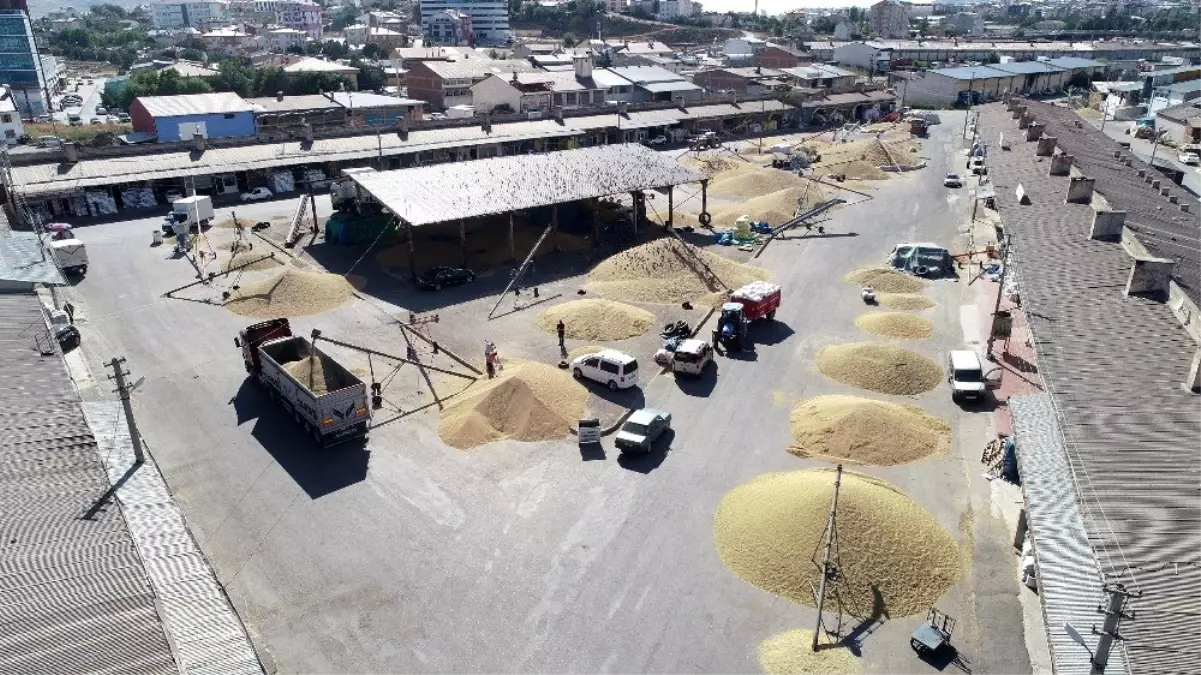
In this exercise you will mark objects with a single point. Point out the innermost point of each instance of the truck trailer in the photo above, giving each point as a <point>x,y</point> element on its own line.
<point>327,400</point>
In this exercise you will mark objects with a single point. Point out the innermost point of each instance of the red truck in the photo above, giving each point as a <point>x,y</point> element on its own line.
<point>759,299</point>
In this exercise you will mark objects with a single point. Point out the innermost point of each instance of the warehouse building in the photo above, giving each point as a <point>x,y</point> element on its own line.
<point>974,84</point>
<point>180,118</point>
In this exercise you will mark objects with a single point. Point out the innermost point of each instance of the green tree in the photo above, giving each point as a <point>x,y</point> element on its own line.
<point>370,78</point>
<point>332,49</point>
<point>570,39</point>
<point>296,49</point>
<point>345,16</point>
<point>372,51</point>
<point>191,54</point>
<point>235,75</point>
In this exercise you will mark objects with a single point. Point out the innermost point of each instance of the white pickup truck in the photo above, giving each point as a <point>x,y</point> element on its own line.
<point>331,406</point>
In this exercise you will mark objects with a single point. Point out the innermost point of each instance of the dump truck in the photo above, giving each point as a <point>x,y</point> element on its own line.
<point>330,404</point>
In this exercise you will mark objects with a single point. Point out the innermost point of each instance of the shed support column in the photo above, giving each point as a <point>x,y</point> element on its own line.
<point>463,239</point>
<point>595,222</point>
<point>671,193</point>
<point>704,196</point>
<point>512,245</point>
<point>634,203</point>
<point>412,262</point>
<point>554,227</point>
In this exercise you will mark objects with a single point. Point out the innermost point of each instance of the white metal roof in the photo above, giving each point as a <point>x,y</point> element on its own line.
<point>449,192</point>
<point>315,65</point>
<point>195,104</point>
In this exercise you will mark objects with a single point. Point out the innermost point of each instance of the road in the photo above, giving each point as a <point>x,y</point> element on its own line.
<point>1143,149</point>
<point>90,93</point>
<point>519,557</point>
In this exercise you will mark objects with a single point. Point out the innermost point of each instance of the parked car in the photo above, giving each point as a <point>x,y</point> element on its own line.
<point>952,180</point>
<point>172,195</point>
<point>657,140</point>
<point>642,429</point>
<point>123,118</point>
<point>75,121</point>
<point>691,357</point>
<point>49,142</point>
<point>965,374</point>
<point>978,167</point>
<point>257,194</point>
<point>436,278</point>
<point>1187,157</point>
<point>96,121</point>
<point>101,111</point>
<point>614,369</point>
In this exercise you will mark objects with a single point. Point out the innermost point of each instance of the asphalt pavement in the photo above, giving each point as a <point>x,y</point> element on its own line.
<point>515,557</point>
<point>1145,150</point>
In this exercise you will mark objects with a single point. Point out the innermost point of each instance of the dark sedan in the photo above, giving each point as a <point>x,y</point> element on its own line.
<point>435,278</point>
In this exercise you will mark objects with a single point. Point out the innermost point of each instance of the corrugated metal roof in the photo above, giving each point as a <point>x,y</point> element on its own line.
<point>972,73</point>
<point>292,103</point>
<point>208,636</point>
<point>448,192</point>
<point>74,596</point>
<point>195,104</point>
<point>1074,62</point>
<point>1115,365</point>
<point>23,260</point>
<point>660,87</point>
<point>1069,580</point>
<point>1026,67</point>
<point>316,65</point>
<point>641,74</point>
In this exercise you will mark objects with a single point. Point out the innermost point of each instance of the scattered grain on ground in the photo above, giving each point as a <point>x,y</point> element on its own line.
<point>666,271</point>
<point>895,558</point>
<point>905,301</point>
<point>595,319</point>
<point>527,401</point>
<point>897,325</point>
<point>864,431</point>
<point>261,261</point>
<point>580,351</point>
<point>885,280</point>
<point>291,293</point>
<point>792,653</point>
<point>711,163</point>
<point>855,170</point>
<point>879,366</point>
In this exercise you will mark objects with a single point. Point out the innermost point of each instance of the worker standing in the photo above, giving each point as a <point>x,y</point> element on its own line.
<point>561,329</point>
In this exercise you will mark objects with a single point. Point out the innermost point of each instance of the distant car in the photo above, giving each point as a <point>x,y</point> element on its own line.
<point>172,195</point>
<point>123,117</point>
<point>614,369</point>
<point>96,121</point>
<point>657,140</point>
<point>691,357</point>
<point>437,278</point>
<point>642,429</point>
<point>42,119</point>
<point>257,194</point>
<point>1188,157</point>
<point>978,167</point>
<point>101,111</point>
<point>952,180</point>
<point>76,122</point>
<point>49,142</point>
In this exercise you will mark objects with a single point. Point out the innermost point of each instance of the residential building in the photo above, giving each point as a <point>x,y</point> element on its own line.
<point>888,19</point>
<point>615,6</point>
<point>752,81</point>
<point>298,14</point>
<point>386,39</point>
<point>844,30</point>
<point>965,23</point>
<point>179,118</point>
<point>59,25</point>
<point>653,83</point>
<point>20,65</point>
<point>11,126</point>
<point>228,41</point>
<point>873,57</point>
<point>374,110</point>
<point>677,9</point>
<point>540,91</point>
<point>199,14</point>
<point>525,49</point>
<point>741,51</point>
<point>831,79</point>
<point>313,64</point>
<point>775,56</point>
<point>182,68</point>
<point>383,19</point>
<point>444,84</point>
<point>489,18</point>
<point>449,27</point>
<point>622,54</point>
<point>283,39</point>
<point>287,114</point>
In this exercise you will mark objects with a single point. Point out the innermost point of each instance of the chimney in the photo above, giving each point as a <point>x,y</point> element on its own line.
<point>1150,277</point>
<point>583,65</point>
<point>306,132</point>
<point>279,96</point>
<point>1193,383</point>
<point>1107,225</point>
<point>623,108</point>
<point>1046,146</point>
<point>1061,164</point>
<point>1023,198</point>
<point>1018,111</point>
<point>1025,120</point>
<point>403,121</point>
<point>1080,190</point>
<point>558,113</point>
<point>680,104</point>
<point>198,143</point>
<point>71,150</point>
<point>1034,130</point>
<point>486,122</point>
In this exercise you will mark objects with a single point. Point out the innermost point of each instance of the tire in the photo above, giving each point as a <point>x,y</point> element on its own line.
<point>704,218</point>
<point>771,316</point>
<point>578,374</point>
<point>437,287</point>
<point>612,385</point>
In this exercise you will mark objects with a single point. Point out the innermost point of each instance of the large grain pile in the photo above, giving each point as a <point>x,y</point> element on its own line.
<point>261,261</point>
<point>311,373</point>
<point>663,272</point>
<point>885,280</point>
<point>879,366</point>
<point>750,181</point>
<point>864,431</point>
<point>527,401</point>
<point>868,150</point>
<point>604,320</point>
<point>710,163</point>
<point>774,207</point>
<point>894,558</point>
<point>897,325</point>
<point>792,653</point>
<point>906,301</point>
<point>291,293</point>
<point>855,170</point>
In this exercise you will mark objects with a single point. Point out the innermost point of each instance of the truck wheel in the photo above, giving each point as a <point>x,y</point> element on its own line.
<point>771,316</point>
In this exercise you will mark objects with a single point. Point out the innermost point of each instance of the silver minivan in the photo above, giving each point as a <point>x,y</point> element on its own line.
<point>965,373</point>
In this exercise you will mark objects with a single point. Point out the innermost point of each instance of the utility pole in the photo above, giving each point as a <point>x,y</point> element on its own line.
<point>1114,611</point>
<point>829,570</point>
<point>1006,243</point>
<point>139,457</point>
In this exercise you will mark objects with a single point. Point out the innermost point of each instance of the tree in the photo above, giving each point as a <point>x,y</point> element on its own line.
<point>191,54</point>
<point>570,39</point>
<point>235,75</point>
<point>371,78</point>
<point>345,16</point>
<point>332,49</point>
<point>296,49</point>
<point>371,51</point>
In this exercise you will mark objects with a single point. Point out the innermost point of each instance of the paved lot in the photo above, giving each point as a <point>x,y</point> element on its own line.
<point>410,556</point>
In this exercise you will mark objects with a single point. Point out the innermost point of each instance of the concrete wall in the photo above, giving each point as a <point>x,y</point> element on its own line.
<point>493,92</point>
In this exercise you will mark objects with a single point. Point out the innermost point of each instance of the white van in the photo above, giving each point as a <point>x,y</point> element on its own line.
<point>614,369</point>
<point>691,357</point>
<point>71,255</point>
<point>965,373</point>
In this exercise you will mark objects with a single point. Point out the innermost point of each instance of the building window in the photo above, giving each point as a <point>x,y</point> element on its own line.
<point>9,133</point>
<point>7,119</point>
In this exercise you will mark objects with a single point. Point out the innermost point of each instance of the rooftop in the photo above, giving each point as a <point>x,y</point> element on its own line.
<point>291,103</point>
<point>360,101</point>
<point>194,104</point>
<point>476,68</point>
<point>1180,87</point>
<point>646,74</point>
<point>675,85</point>
<point>972,73</point>
<point>1182,112</point>
<point>316,65</point>
<point>1026,67</point>
<point>1071,62</point>
<point>448,192</point>
<point>22,260</point>
<point>753,73</point>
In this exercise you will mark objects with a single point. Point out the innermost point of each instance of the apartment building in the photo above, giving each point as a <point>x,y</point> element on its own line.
<point>489,18</point>
<point>445,84</point>
<point>198,14</point>
<point>888,19</point>
<point>11,127</point>
<point>449,27</point>
<point>301,15</point>
<point>21,67</point>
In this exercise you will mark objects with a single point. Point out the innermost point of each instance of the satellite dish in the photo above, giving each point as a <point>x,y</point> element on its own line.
<point>1075,635</point>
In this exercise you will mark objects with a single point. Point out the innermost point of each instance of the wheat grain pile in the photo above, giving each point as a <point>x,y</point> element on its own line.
<point>311,373</point>
<point>867,150</point>
<point>898,325</point>
<point>904,301</point>
<point>864,431</point>
<point>291,293</point>
<point>792,653</point>
<point>663,272</point>
<point>262,262</point>
<point>855,170</point>
<point>879,366</point>
<point>885,280</point>
<point>710,163</point>
<point>752,181</point>
<point>774,207</point>
<point>527,401</point>
<point>895,558</point>
<point>603,320</point>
